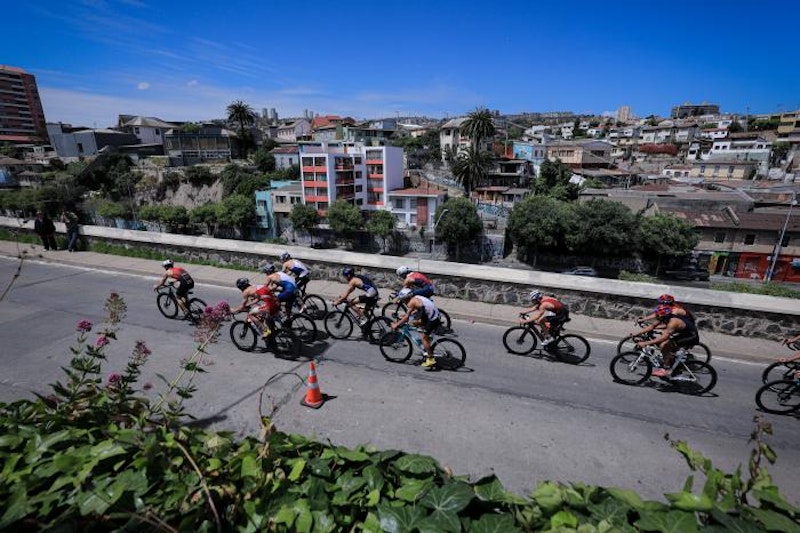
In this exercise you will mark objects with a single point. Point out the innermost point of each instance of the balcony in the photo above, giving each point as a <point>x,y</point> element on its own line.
<point>345,181</point>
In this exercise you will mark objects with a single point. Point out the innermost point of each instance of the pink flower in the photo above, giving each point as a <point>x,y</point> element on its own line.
<point>101,341</point>
<point>114,379</point>
<point>84,326</point>
<point>147,386</point>
<point>142,348</point>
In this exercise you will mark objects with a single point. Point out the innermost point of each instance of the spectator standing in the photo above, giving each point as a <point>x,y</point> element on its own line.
<point>46,230</point>
<point>70,220</point>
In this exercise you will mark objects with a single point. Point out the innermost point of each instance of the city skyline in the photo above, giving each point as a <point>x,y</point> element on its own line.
<point>96,59</point>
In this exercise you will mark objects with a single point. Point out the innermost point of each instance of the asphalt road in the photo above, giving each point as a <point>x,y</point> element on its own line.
<point>526,419</point>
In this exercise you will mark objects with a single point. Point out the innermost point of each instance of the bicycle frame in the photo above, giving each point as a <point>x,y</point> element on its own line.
<point>407,331</point>
<point>657,360</point>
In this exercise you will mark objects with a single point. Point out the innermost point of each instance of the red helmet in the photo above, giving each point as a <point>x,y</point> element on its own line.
<point>666,299</point>
<point>663,311</point>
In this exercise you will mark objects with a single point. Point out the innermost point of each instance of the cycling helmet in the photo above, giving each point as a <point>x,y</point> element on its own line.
<point>348,272</point>
<point>666,299</point>
<point>167,263</point>
<point>663,311</point>
<point>535,296</point>
<point>404,293</point>
<point>242,283</point>
<point>268,269</point>
<point>285,257</point>
<point>403,271</point>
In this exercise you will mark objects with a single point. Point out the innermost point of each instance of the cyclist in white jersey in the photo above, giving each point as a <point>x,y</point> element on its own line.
<point>425,314</point>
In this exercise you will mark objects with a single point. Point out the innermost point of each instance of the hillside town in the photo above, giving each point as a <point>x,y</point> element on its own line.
<point>730,176</point>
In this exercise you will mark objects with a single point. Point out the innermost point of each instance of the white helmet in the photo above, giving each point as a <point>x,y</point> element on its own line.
<point>404,293</point>
<point>535,296</point>
<point>403,271</point>
<point>167,263</point>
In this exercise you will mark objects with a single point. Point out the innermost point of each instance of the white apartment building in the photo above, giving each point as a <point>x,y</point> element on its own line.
<point>741,146</point>
<point>450,136</point>
<point>351,171</point>
<point>292,130</point>
<point>148,130</point>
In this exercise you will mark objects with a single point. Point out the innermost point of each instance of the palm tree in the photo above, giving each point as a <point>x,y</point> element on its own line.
<point>242,113</point>
<point>478,126</point>
<point>470,168</point>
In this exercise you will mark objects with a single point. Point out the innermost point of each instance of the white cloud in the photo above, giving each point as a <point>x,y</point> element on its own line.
<point>192,83</point>
<point>143,86</point>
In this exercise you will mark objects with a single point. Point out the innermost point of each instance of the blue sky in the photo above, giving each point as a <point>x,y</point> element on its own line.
<point>181,60</point>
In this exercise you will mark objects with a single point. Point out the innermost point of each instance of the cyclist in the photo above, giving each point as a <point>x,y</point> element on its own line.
<point>287,290</point>
<point>262,302</point>
<point>548,312</point>
<point>425,314</point>
<point>369,298</point>
<point>791,340</point>
<point>679,332</point>
<point>677,309</point>
<point>301,273</point>
<point>184,280</point>
<point>418,283</point>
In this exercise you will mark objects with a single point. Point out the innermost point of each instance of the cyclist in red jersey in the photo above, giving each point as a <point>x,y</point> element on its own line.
<point>548,312</point>
<point>418,283</point>
<point>262,302</point>
<point>184,280</point>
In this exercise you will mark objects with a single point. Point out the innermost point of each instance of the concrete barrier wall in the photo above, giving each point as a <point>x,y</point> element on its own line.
<point>720,311</point>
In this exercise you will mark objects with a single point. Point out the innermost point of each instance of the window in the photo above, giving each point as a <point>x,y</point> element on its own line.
<point>262,204</point>
<point>785,240</point>
<point>730,170</point>
<point>359,188</point>
<point>750,238</point>
<point>412,203</point>
<point>158,132</point>
<point>136,131</point>
<point>399,203</point>
<point>719,236</point>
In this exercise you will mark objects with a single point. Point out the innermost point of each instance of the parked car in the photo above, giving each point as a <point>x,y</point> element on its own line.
<point>688,274</point>
<point>581,271</point>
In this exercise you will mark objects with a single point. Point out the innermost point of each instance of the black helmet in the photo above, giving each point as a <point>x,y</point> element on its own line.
<point>348,272</point>
<point>242,283</point>
<point>268,269</point>
<point>285,256</point>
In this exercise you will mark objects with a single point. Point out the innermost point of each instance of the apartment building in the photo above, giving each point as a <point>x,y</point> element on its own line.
<point>353,172</point>
<point>21,113</point>
<point>149,130</point>
<point>577,154</point>
<point>746,146</point>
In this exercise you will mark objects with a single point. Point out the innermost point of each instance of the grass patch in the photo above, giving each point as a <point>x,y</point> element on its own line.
<point>768,289</point>
<point>146,253</point>
<point>624,275</point>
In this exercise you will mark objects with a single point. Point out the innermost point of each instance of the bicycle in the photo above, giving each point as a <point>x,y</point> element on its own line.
<point>394,310</point>
<point>568,348</point>
<point>780,396</point>
<point>635,367</point>
<point>341,320</point>
<point>398,345</point>
<point>281,341</point>
<point>699,351</point>
<point>781,370</point>
<point>312,305</point>
<point>167,303</point>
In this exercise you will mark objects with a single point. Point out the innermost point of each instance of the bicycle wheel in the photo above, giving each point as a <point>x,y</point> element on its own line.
<point>284,343</point>
<point>243,335</point>
<point>449,354</point>
<point>394,310</point>
<point>315,306</point>
<point>779,397</point>
<point>196,309</point>
<point>376,328</point>
<point>167,304</point>
<point>395,347</point>
<point>338,324</point>
<point>631,368</point>
<point>446,325</point>
<point>700,352</point>
<point>778,371</point>
<point>303,327</point>
<point>519,340</point>
<point>628,344</point>
<point>697,377</point>
<point>570,348</point>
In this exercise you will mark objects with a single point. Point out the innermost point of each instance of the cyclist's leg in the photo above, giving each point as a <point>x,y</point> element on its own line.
<point>301,283</point>
<point>180,295</point>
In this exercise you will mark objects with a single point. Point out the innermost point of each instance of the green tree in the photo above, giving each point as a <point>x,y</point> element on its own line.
<point>459,225</point>
<point>554,180</point>
<point>151,213</point>
<point>539,223</point>
<point>735,127</point>
<point>778,154</point>
<point>174,216</point>
<point>242,114</point>
<point>665,235</point>
<point>269,144</point>
<point>110,209</point>
<point>603,228</point>
<point>263,160</point>
<point>381,224</point>
<point>236,211</point>
<point>344,218</point>
<point>304,218</point>
<point>205,214</point>
<point>471,168</point>
<point>478,126</point>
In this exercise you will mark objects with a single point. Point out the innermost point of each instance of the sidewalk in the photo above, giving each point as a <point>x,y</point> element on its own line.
<point>498,314</point>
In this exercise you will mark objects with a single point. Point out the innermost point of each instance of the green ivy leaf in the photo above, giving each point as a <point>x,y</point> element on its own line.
<point>374,477</point>
<point>733,524</point>
<point>492,523</point>
<point>563,518</point>
<point>249,467</point>
<point>373,498</point>
<point>17,507</point>
<point>686,501</point>
<point>10,441</point>
<point>772,520</point>
<point>412,488</point>
<point>323,522</point>
<point>773,496</point>
<point>356,456</point>
<point>611,510</point>
<point>297,469</point>
<point>416,464</point>
<point>548,496</point>
<point>490,489</point>
<point>669,522</point>
<point>452,497</point>
<point>399,519</point>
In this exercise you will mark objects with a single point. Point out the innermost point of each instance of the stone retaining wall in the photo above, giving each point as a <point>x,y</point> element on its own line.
<point>719,311</point>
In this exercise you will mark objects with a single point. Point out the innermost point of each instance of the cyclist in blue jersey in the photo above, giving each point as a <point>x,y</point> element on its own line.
<point>284,283</point>
<point>369,298</point>
<point>298,269</point>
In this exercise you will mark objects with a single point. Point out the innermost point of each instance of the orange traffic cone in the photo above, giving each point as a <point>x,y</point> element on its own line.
<point>314,398</point>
